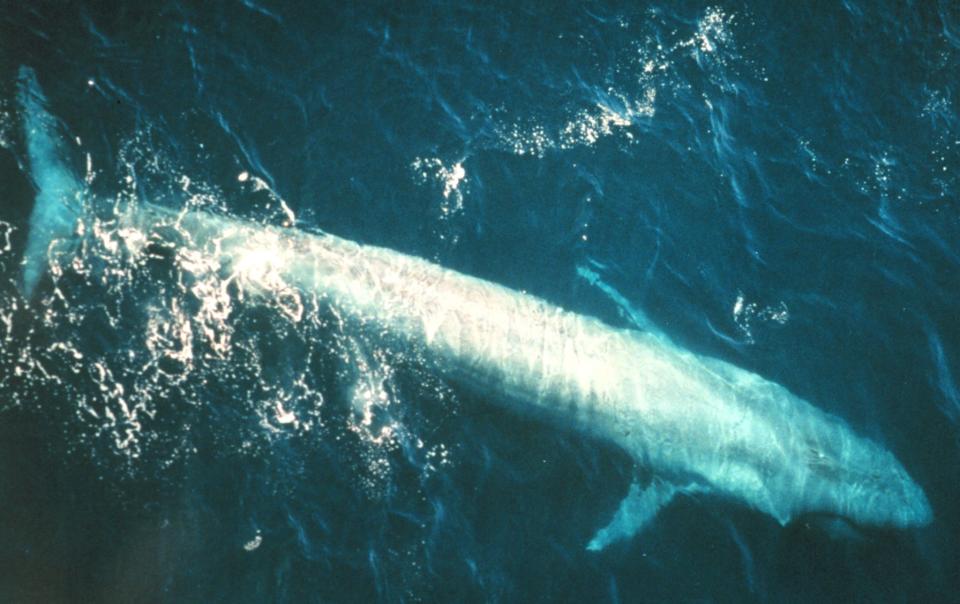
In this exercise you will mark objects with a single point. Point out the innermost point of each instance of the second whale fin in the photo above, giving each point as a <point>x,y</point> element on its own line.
<point>636,316</point>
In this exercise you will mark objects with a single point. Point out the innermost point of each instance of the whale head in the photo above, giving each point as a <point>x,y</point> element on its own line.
<point>786,457</point>
<point>857,479</point>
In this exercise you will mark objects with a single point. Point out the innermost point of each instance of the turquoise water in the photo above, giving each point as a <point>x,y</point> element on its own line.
<point>773,184</point>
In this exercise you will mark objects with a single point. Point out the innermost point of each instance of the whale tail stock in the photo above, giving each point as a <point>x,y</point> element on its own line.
<point>57,204</point>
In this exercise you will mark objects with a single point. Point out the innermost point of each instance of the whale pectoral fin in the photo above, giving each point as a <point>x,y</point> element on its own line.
<point>637,509</point>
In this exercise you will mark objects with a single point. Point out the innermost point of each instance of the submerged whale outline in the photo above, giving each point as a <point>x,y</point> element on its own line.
<point>701,425</point>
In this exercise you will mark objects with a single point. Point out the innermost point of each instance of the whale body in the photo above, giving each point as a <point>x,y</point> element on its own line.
<point>696,423</point>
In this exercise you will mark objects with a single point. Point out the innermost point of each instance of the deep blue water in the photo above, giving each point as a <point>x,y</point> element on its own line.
<point>774,184</point>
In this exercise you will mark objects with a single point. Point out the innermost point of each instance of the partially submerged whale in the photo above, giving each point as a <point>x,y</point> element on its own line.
<point>698,424</point>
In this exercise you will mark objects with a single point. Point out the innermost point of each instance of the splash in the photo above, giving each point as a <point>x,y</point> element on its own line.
<point>747,314</point>
<point>642,72</point>
<point>450,180</point>
<point>185,347</point>
<point>713,32</point>
<point>6,125</point>
<point>591,125</point>
<point>431,170</point>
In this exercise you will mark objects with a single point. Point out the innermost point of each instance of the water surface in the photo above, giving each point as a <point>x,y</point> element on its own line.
<point>773,184</point>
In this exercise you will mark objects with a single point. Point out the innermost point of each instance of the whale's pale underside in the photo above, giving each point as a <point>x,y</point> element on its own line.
<point>695,423</point>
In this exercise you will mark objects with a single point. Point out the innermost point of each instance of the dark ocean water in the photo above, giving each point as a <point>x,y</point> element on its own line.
<point>776,184</point>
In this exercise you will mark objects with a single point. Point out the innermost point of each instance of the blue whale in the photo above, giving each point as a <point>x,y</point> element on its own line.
<point>696,424</point>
